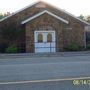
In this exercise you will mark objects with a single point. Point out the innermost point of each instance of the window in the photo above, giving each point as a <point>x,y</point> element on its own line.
<point>40,37</point>
<point>49,37</point>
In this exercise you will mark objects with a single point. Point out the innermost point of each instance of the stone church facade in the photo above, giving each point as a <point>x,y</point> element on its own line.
<point>45,28</point>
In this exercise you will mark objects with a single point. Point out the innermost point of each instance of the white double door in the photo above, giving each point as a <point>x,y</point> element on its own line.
<point>44,41</point>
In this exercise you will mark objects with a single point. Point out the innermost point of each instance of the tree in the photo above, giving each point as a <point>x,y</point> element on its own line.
<point>10,34</point>
<point>88,18</point>
<point>4,15</point>
<point>81,17</point>
<point>1,16</point>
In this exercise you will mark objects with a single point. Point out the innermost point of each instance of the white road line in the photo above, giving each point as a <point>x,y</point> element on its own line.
<point>42,81</point>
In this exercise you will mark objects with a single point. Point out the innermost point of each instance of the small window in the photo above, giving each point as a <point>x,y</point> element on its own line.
<point>49,37</point>
<point>40,37</point>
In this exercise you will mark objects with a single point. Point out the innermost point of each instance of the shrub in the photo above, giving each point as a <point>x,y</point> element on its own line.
<point>88,46</point>
<point>12,49</point>
<point>72,47</point>
<point>3,47</point>
<point>21,48</point>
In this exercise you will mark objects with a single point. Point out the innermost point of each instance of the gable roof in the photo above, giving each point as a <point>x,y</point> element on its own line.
<point>43,12</point>
<point>50,5</point>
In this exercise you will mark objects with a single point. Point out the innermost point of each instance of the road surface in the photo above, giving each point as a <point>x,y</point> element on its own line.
<point>43,68</point>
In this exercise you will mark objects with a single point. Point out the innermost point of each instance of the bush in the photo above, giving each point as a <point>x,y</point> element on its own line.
<point>12,49</point>
<point>3,47</point>
<point>88,46</point>
<point>21,48</point>
<point>72,47</point>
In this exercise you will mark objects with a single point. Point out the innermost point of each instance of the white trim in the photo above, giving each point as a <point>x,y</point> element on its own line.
<point>18,11</point>
<point>41,13</point>
<point>45,31</point>
<point>83,21</point>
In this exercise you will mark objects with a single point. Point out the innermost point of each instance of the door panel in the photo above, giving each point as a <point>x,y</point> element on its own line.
<point>42,42</point>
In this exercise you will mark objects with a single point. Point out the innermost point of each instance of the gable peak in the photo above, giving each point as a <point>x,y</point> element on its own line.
<point>41,4</point>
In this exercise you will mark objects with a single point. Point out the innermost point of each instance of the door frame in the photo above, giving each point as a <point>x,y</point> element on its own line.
<point>35,37</point>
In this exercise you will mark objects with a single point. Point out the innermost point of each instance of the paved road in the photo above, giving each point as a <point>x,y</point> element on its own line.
<point>42,68</point>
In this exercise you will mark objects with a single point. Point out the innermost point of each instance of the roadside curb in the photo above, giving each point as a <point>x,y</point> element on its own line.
<point>58,54</point>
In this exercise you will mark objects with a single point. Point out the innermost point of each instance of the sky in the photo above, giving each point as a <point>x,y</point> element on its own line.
<point>75,7</point>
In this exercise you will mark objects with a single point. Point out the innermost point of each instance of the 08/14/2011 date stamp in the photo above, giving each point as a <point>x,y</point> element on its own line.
<point>81,82</point>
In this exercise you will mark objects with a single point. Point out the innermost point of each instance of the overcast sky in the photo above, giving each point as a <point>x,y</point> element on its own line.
<point>75,7</point>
